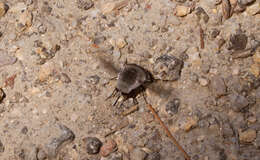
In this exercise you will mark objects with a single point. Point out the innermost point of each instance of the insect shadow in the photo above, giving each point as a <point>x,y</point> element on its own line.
<point>132,80</point>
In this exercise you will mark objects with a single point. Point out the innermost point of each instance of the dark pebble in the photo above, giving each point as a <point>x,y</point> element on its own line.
<point>172,106</point>
<point>24,130</point>
<point>214,33</point>
<point>93,145</point>
<point>85,4</point>
<point>153,156</point>
<point>2,147</point>
<point>238,102</point>
<point>168,67</point>
<point>217,86</point>
<point>55,144</point>
<point>237,41</point>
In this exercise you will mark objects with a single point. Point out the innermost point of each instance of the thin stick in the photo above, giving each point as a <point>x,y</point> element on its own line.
<point>187,157</point>
<point>201,38</point>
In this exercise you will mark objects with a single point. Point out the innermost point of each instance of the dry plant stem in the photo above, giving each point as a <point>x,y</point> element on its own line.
<point>201,38</point>
<point>168,132</point>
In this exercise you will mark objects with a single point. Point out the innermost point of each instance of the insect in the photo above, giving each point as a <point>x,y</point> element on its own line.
<point>132,80</point>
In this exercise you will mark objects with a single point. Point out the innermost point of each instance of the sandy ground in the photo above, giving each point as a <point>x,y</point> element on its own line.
<point>54,82</point>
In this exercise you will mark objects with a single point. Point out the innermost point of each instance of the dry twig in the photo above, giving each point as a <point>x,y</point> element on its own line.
<point>201,38</point>
<point>187,157</point>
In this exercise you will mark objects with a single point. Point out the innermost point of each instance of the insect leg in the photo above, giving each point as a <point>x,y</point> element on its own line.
<point>115,91</point>
<point>144,95</point>
<point>135,101</point>
<point>116,100</point>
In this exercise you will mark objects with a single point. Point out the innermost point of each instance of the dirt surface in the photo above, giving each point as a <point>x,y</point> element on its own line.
<point>54,84</point>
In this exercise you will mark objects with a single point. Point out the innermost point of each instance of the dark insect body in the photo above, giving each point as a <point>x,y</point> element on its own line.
<point>132,80</point>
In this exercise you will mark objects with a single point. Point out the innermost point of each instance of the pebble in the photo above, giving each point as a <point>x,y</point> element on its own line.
<point>120,43</point>
<point>194,56</point>
<point>138,154</point>
<point>41,155</point>
<point>182,11</point>
<point>168,67</point>
<point>217,86</point>
<point>93,79</point>
<point>56,143</point>
<point>247,136</point>
<point>113,156</point>
<point>153,156</point>
<point>203,82</point>
<point>93,145</point>
<point>2,147</point>
<point>253,9</point>
<point>189,123</point>
<point>85,4</point>
<point>172,106</point>
<point>238,102</point>
<point>24,130</point>
<point>109,147</point>
<point>2,95</point>
<point>214,33</point>
<point>3,9</point>
<point>237,41</point>
<point>255,69</point>
<point>251,119</point>
<point>46,70</point>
